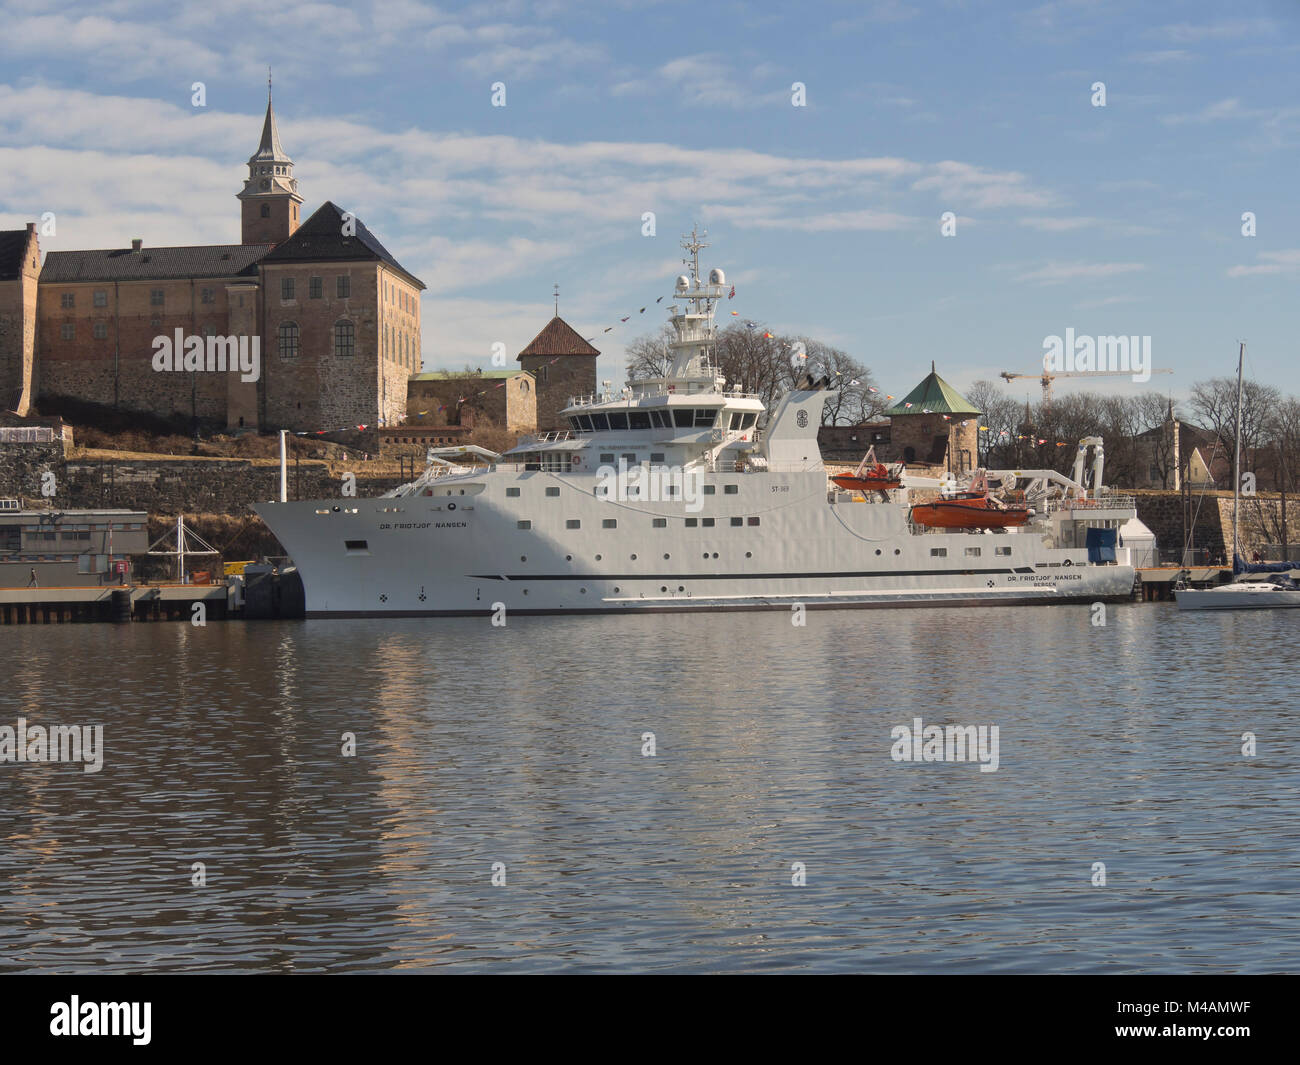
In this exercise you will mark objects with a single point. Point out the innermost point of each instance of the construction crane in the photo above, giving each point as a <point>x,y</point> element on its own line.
<point>1047,378</point>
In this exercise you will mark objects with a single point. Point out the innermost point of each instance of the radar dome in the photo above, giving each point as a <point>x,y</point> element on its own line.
<point>717,277</point>
<point>683,281</point>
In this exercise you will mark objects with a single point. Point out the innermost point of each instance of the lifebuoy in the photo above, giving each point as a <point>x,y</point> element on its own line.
<point>575,461</point>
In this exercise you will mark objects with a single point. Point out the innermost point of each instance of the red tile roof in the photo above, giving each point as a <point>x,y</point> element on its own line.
<point>558,338</point>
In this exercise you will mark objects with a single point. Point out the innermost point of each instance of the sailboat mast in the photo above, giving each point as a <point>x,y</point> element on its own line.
<point>1236,462</point>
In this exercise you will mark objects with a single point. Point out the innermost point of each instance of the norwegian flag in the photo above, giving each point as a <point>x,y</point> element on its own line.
<point>732,294</point>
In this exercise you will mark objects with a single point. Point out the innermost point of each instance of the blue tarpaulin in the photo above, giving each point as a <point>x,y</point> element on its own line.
<point>1101,544</point>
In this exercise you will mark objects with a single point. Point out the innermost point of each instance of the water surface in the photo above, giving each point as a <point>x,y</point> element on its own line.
<point>523,745</point>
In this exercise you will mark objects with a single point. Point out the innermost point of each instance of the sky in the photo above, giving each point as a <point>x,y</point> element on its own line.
<point>825,211</point>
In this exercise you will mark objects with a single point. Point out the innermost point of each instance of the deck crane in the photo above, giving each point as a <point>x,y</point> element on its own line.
<point>1047,378</point>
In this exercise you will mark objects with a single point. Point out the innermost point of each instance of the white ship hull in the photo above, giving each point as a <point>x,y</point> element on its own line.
<point>775,540</point>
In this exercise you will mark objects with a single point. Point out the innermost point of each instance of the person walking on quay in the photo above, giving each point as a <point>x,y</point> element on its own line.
<point>33,583</point>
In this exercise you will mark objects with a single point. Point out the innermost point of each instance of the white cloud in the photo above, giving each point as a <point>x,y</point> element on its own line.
<point>1057,273</point>
<point>1272,262</point>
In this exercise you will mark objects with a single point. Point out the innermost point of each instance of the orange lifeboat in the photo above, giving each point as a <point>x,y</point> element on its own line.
<point>875,479</point>
<point>969,510</point>
<point>972,509</point>
<point>870,476</point>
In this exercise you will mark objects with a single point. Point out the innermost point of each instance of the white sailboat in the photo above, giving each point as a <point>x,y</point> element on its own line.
<point>1241,594</point>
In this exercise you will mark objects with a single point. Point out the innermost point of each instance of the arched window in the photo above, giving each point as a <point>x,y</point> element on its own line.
<point>288,340</point>
<point>345,337</point>
<point>266,210</point>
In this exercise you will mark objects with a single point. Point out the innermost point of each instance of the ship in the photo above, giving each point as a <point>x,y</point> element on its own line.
<point>682,493</point>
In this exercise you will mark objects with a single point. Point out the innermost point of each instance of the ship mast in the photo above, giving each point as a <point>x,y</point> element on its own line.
<point>695,326</point>
<point>1236,462</point>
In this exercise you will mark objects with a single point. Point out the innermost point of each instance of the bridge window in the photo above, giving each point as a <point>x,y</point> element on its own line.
<point>638,419</point>
<point>750,418</point>
<point>618,420</point>
<point>704,419</point>
<point>600,421</point>
<point>683,418</point>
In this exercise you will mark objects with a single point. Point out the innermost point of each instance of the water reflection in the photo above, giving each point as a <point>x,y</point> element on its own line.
<point>522,745</point>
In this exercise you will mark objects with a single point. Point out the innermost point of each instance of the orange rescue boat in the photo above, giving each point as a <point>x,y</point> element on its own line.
<point>972,509</point>
<point>870,476</point>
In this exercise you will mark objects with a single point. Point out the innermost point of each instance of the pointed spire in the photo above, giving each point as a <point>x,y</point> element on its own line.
<point>270,150</point>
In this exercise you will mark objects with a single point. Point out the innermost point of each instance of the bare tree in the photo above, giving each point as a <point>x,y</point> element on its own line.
<point>650,356</point>
<point>1214,404</point>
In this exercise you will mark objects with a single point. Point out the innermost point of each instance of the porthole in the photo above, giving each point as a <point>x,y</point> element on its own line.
<point>749,554</point>
<point>715,554</point>
<point>583,590</point>
<point>617,589</point>
<point>525,591</point>
<point>666,558</point>
<point>706,554</point>
<point>632,557</point>
<point>681,587</point>
<point>897,551</point>
<point>569,558</point>
<point>877,550</point>
<point>663,587</point>
<point>597,558</point>
<point>523,558</point>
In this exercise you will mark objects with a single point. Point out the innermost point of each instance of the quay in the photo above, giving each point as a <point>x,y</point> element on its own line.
<point>260,593</point>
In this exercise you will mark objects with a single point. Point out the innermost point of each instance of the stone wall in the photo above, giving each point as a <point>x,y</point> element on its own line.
<point>22,466</point>
<point>572,375</point>
<point>117,367</point>
<point>1210,519</point>
<point>170,485</point>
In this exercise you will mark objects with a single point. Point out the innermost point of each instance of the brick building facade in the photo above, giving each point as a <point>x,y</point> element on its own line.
<point>20,267</point>
<point>563,365</point>
<point>335,316</point>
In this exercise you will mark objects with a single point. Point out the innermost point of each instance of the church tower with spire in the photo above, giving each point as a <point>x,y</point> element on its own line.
<point>270,200</point>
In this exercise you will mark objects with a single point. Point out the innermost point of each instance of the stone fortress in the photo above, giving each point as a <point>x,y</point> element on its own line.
<point>334,317</point>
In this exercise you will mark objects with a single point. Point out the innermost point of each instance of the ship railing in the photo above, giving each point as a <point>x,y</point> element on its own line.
<point>1083,506</point>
